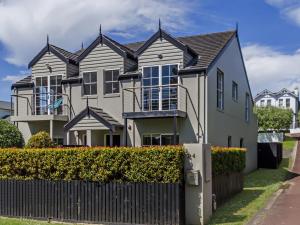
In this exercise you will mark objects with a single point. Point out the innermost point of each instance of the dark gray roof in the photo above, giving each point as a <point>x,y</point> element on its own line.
<point>207,46</point>
<point>25,82</point>
<point>65,53</point>
<point>106,116</point>
<point>275,94</point>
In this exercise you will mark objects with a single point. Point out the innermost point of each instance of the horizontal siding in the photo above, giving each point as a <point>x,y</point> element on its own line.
<point>171,54</point>
<point>72,70</point>
<point>89,123</point>
<point>187,59</point>
<point>101,57</point>
<point>57,65</point>
<point>129,64</point>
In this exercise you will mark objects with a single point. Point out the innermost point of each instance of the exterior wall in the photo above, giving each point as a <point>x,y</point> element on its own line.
<point>89,124</point>
<point>57,65</point>
<point>231,120</point>
<point>171,54</point>
<point>21,105</point>
<point>72,70</point>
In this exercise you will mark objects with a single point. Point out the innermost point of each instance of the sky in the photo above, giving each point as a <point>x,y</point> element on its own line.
<point>269,31</point>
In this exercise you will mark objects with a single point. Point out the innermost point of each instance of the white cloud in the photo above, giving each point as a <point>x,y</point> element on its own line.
<point>25,23</point>
<point>271,69</point>
<point>290,9</point>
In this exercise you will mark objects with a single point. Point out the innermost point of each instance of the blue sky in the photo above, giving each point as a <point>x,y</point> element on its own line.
<point>269,31</point>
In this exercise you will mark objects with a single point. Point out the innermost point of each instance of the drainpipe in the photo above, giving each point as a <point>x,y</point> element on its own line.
<point>204,111</point>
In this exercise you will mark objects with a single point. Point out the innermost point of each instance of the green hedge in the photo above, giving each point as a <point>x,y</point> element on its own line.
<point>123,164</point>
<point>226,160</point>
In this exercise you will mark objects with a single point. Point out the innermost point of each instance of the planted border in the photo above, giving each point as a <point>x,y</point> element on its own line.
<point>227,160</point>
<point>102,164</point>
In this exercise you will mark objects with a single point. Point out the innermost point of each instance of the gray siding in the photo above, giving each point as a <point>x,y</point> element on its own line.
<point>88,123</point>
<point>128,64</point>
<point>72,70</point>
<point>170,53</point>
<point>57,65</point>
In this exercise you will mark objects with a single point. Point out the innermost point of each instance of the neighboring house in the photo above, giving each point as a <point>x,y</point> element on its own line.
<point>161,91</point>
<point>5,110</point>
<point>282,99</point>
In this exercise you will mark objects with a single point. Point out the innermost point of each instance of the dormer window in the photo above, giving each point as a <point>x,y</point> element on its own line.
<point>90,83</point>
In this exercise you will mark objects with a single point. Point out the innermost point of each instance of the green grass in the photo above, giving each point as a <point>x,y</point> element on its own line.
<point>258,188</point>
<point>15,221</point>
<point>288,143</point>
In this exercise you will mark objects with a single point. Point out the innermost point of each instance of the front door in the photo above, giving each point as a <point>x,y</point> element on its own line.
<point>116,140</point>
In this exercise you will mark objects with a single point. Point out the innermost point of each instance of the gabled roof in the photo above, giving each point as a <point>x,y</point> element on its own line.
<point>64,55</point>
<point>115,46</point>
<point>207,46</point>
<point>98,114</point>
<point>162,34</point>
<point>25,82</point>
<point>275,94</point>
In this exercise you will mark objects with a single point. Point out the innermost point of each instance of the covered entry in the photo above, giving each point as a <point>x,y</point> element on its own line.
<point>93,127</point>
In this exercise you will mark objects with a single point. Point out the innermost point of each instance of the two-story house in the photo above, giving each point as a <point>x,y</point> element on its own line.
<point>282,99</point>
<point>161,91</point>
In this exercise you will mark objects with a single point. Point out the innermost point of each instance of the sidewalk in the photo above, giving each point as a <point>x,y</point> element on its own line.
<point>286,208</point>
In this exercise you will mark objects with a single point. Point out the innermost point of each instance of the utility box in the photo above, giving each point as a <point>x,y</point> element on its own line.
<point>193,177</point>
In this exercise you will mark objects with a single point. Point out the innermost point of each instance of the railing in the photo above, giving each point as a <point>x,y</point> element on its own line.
<point>155,98</point>
<point>41,104</point>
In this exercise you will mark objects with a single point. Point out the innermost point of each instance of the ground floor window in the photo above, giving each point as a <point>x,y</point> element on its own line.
<point>58,141</point>
<point>159,139</point>
<point>116,140</point>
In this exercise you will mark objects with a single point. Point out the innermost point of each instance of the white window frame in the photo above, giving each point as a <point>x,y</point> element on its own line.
<point>160,135</point>
<point>82,74</point>
<point>110,69</point>
<point>220,90</point>
<point>48,90</point>
<point>160,85</point>
<point>247,107</point>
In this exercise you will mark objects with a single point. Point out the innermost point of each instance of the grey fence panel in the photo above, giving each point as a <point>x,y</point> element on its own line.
<point>80,201</point>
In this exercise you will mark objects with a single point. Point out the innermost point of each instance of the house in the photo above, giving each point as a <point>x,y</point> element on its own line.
<point>283,99</point>
<point>160,91</point>
<point>5,110</point>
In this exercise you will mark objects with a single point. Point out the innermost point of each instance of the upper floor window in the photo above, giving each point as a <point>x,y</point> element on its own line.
<point>269,102</point>
<point>220,90</point>
<point>287,103</point>
<point>262,103</point>
<point>280,102</point>
<point>247,107</point>
<point>234,91</point>
<point>111,82</point>
<point>90,83</point>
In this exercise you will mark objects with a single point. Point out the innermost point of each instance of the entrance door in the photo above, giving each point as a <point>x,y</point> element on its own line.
<point>116,140</point>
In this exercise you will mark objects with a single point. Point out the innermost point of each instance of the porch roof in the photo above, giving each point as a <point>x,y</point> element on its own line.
<point>98,114</point>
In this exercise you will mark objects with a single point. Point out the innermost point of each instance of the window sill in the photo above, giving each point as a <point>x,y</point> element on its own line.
<point>89,97</point>
<point>111,95</point>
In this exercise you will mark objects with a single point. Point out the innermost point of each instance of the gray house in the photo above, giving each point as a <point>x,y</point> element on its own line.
<point>161,91</point>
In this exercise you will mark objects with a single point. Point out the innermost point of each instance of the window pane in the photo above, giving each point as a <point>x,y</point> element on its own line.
<point>165,80</point>
<point>58,81</point>
<point>146,140</point>
<point>45,81</point>
<point>167,139</point>
<point>115,75</point>
<point>86,78</point>
<point>165,71</point>
<point>155,71</point>
<point>155,139</point>
<point>59,90</point>
<point>108,88</point>
<point>165,93</point>
<point>93,77</point>
<point>86,89</point>
<point>174,70</point>
<point>116,87</point>
<point>93,89</point>
<point>147,72</point>
<point>174,80</point>
<point>155,105</point>
<point>52,80</point>
<point>108,75</point>
<point>38,81</point>
<point>165,104</point>
<point>173,104</point>
<point>146,82</point>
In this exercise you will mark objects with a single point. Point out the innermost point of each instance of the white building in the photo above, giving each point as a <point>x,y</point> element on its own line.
<point>283,99</point>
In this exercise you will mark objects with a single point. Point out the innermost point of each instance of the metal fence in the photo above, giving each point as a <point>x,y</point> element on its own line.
<point>79,201</point>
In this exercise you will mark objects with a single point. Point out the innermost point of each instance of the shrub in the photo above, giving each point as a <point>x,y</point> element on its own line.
<point>40,140</point>
<point>10,136</point>
<point>227,160</point>
<point>104,164</point>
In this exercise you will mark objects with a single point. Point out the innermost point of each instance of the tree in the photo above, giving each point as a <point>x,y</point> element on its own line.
<point>10,136</point>
<point>40,140</point>
<point>273,118</point>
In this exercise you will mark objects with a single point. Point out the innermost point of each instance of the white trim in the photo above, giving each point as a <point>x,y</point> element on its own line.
<point>103,83</point>
<point>82,86</point>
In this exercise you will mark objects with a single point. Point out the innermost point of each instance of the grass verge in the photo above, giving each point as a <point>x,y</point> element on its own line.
<point>15,221</point>
<point>288,143</point>
<point>258,188</point>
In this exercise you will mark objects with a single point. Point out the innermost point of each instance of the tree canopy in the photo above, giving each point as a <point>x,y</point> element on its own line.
<point>273,118</point>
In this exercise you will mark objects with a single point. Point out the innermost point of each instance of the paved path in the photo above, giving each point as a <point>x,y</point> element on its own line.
<point>286,208</point>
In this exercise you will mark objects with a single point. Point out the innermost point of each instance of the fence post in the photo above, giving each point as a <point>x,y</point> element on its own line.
<point>198,184</point>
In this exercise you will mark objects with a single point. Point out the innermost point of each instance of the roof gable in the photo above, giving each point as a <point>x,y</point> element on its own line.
<point>62,54</point>
<point>115,46</point>
<point>162,34</point>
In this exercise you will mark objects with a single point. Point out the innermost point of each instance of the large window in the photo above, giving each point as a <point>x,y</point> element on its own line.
<point>269,102</point>
<point>220,90</point>
<point>159,139</point>
<point>111,83</point>
<point>90,83</point>
<point>48,93</point>
<point>262,103</point>
<point>234,91</point>
<point>160,90</point>
<point>247,107</point>
<point>281,102</point>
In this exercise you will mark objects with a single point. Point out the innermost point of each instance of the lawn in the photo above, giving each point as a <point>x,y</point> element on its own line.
<point>14,221</point>
<point>289,143</point>
<point>258,188</point>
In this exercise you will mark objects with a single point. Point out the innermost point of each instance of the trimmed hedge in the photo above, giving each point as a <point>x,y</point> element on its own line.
<point>103,164</point>
<point>227,160</point>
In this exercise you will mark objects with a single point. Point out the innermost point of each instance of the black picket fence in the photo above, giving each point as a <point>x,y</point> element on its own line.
<point>80,201</point>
